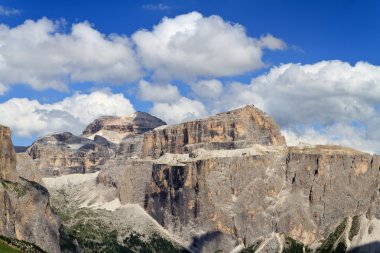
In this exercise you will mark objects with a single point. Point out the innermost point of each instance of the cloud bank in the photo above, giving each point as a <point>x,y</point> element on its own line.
<point>29,117</point>
<point>42,54</point>
<point>38,54</point>
<point>191,46</point>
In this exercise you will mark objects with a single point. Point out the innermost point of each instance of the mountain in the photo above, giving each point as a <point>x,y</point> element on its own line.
<point>226,183</point>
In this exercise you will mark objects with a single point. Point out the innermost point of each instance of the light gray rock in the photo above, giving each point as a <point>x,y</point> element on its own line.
<point>64,153</point>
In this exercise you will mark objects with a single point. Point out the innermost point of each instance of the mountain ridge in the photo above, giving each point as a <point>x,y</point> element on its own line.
<point>227,182</point>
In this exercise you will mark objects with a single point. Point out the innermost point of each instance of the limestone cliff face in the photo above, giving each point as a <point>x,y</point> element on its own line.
<point>7,155</point>
<point>301,192</point>
<point>233,195</point>
<point>25,210</point>
<point>235,129</point>
<point>331,182</point>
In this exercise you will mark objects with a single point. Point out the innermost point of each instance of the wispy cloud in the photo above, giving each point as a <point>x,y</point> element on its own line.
<point>159,7</point>
<point>6,11</point>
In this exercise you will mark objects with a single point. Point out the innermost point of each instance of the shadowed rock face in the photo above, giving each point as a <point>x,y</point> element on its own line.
<point>235,129</point>
<point>25,211</point>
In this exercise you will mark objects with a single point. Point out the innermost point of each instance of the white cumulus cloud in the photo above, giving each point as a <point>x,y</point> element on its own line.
<point>207,88</point>
<point>158,92</point>
<point>39,54</point>
<point>190,46</point>
<point>29,117</point>
<point>180,110</point>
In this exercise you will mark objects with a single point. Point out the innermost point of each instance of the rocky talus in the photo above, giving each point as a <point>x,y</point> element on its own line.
<point>25,210</point>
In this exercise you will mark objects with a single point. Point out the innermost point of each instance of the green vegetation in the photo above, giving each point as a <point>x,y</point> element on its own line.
<point>292,246</point>
<point>92,236</point>
<point>14,187</point>
<point>328,245</point>
<point>355,227</point>
<point>308,249</point>
<point>6,244</point>
<point>252,248</point>
<point>5,248</point>
<point>96,238</point>
<point>155,244</point>
<point>340,248</point>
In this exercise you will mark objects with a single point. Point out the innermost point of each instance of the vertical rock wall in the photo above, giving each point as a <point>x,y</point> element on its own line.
<point>25,211</point>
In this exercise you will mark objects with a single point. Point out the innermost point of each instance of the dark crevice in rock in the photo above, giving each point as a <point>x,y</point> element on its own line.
<point>185,136</point>
<point>311,195</point>
<point>287,161</point>
<point>294,180</point>
<point>316,167</point>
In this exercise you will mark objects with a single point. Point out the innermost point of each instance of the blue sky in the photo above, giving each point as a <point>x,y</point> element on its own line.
<point>312,65</point>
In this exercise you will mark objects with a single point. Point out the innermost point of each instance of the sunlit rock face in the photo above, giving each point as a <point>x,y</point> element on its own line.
<point>25,210</point>
<point>231,130</point>
<point>7,155</point>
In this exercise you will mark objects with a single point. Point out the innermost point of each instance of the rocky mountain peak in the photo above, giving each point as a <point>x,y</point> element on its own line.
<point>59,138</point>
<point>234,129</point>
<point>116,128</point>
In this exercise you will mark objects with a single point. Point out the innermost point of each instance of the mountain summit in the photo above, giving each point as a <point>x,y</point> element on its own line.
<point>116,128</point>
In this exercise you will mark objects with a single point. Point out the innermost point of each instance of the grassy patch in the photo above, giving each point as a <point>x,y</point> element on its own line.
<point>292,246</point>
<point>18,245</point>
<point>154,244</point>
<point>14,187</point>
<point>355,227</point>
<point>5,248</point>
